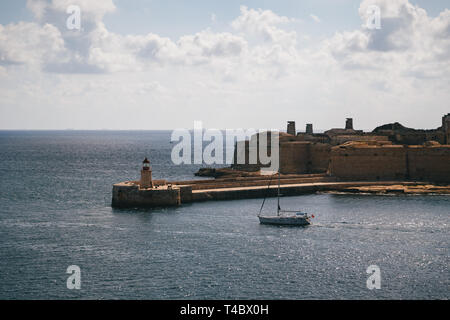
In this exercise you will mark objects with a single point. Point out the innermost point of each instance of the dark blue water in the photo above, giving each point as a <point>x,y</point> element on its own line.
<point>55,211</point>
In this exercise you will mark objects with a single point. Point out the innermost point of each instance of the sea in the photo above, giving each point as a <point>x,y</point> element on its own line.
<point>55,212</point>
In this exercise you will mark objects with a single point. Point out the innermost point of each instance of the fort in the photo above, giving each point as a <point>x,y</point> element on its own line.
<point>390,159</point>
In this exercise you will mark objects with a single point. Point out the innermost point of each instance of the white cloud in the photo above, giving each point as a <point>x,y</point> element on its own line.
<point>97,50</point>
<point>29,43</point>
<point>409,42</point>
<point>266,24</point>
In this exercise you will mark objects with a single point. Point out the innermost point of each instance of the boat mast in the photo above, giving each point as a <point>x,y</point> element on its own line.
<point>278,194</point>
<point>265,195</point>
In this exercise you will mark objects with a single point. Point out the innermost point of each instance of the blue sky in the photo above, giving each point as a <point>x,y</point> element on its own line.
<point>164,64</point>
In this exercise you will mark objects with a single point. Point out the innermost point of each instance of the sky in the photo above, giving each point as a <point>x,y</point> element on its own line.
<point>153,64</point>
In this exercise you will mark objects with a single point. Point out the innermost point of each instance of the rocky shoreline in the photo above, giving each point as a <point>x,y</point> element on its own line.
<point>397,189</point>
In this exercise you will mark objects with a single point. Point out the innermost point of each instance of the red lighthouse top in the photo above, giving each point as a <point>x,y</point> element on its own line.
<point>146,164</point>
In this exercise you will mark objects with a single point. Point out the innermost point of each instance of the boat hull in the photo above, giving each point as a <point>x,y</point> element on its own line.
<point>286,221</point>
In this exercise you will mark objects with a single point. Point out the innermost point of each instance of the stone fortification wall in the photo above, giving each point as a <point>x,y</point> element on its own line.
<point>430,163</point>
<point>304,157</point>
<point>320,157</point>
<point>357,161</point>
<point>294,157</point>
<point>365,162</point>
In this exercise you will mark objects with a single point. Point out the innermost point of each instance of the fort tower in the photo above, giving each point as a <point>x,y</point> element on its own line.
<point>291,128</point>
<point>349,123</point>
<point>446,127</point>
<point>146,175</point>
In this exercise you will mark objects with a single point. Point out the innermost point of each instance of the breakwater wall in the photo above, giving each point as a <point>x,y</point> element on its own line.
<point>127,194</point>
<point>287,190</point>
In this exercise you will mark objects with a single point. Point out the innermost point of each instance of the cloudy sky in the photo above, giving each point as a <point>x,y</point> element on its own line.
<point>232,64</point>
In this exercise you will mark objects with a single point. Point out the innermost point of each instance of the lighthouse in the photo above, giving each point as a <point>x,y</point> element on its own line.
<point>146,175</point>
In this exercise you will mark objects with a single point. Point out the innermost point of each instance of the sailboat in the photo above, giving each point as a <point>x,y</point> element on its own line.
<point>284,217</point>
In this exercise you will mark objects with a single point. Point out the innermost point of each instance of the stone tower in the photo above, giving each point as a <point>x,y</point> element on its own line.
<point>446,127</point>
<point>146,175</point>
<point>291,128</point>
<point>349,123</point>
<point>309,128</point>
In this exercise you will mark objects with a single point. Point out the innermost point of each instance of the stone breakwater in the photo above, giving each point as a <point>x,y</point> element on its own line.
<point>129,194</point>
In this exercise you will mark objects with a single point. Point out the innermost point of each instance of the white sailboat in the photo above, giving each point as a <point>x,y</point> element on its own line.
<point>284,217</point>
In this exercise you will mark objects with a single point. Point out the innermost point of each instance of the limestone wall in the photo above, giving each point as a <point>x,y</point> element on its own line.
<point>365,162</point>
<point>304,157</point>
<point>185,193</point>
<point>294,157</point>
<point>429,163</point>
<point>368,162</point>
<point>124,195</point>
<point>319,157</point>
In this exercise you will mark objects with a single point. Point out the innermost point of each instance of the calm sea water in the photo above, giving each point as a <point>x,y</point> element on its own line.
<point>55,211</point>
